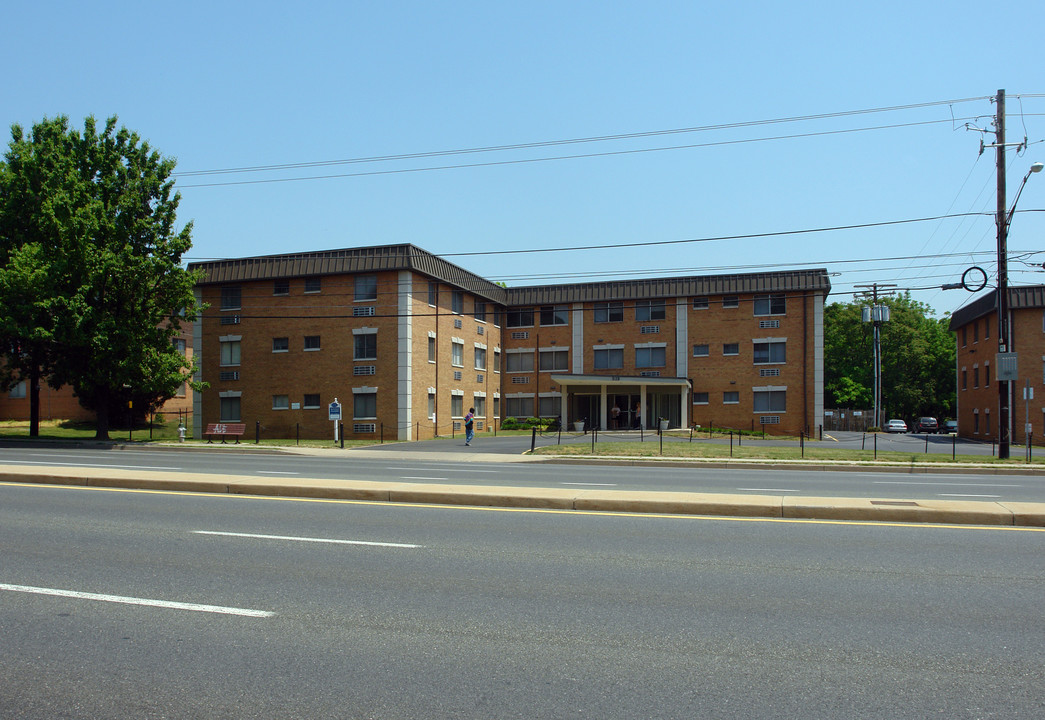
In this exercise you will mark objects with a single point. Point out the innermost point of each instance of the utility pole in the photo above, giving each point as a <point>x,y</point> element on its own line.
<point>1003,280</point>
<point>877,314</point>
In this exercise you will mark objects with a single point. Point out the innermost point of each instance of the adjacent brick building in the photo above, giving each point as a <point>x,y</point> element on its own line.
<point>976,335</point>
<point>408,342</point>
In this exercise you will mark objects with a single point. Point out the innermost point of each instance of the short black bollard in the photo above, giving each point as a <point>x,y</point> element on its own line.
<point>954,446</point>
<point>382,433</point>
<point>533,440</point>
<point>297,433</point>
<point>731,443</point>
<point>341,425</point>
<point>926,443</point>
<point>802,442</point>
<point>257,432</point>
<point>593,430</point>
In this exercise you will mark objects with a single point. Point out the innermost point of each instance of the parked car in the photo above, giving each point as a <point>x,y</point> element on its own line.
<point>927,425</point>
<point>950,426</point>
<point>895,426</point>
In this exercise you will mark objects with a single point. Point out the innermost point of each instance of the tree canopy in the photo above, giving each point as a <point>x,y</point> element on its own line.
<point>918,359</point>
<point>92,289</point>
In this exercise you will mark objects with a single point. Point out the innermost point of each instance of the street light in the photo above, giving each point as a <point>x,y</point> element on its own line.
<point>1004,339</point>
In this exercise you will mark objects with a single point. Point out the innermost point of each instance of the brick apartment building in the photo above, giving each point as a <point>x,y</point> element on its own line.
<point>976,334</point>
<point>407,342</point>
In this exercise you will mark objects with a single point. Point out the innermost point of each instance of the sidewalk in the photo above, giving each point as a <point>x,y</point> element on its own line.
<point>1015,514</point>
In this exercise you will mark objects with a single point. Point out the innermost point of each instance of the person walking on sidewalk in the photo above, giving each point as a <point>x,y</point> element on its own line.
<point>469,426</point>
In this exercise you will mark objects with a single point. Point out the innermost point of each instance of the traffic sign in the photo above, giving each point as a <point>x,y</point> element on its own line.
<point>335,410</point>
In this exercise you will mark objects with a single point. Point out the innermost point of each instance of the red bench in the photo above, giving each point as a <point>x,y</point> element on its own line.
<point>223,429</point>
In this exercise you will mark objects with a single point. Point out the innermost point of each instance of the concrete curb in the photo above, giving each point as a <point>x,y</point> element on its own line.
<point>1015,514</point>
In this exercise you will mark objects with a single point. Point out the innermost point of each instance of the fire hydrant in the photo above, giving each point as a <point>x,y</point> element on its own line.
<point>181,433</point>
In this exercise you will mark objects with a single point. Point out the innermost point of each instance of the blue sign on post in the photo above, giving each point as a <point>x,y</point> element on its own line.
<point>335,410</point>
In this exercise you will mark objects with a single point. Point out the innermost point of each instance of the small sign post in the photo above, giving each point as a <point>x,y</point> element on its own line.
<point>335,416</point>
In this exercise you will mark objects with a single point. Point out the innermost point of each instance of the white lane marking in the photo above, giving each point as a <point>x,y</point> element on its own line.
<point>437,469</point>
<point>407,477</point>
<point>305,539</point>
<point>138,601</point>
<point>93,465</point>
<point>953,484</point>
<point>584,483</point>
<point>966,495</point>
<point>767,489</point>
<point>277,472</point>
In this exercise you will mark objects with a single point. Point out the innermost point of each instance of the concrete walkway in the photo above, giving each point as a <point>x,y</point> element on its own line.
<point>1018,514</point>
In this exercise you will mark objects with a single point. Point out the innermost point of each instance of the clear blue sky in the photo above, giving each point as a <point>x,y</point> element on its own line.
<point>222,85</point>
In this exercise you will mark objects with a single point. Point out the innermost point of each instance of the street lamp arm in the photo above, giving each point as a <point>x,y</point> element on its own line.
<point>1036,167</point>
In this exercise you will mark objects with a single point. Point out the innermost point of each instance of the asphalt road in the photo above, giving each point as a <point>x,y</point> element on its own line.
<point>439,462</point>
<point>473,613</point>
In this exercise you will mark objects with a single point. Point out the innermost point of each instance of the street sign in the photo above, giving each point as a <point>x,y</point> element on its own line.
<point>335,410</point>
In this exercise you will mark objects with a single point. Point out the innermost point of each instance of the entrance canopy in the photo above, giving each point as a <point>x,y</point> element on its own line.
<point>640,400</point>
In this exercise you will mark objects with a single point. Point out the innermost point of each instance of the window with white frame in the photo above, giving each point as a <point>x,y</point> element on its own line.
<point>700,398</point>
<point>230,352</point>
<point>646,310</point>
<point>312,343</point>
<point>555,315</point>
<point>364,345</point>
<point>518,406</point>
<point>457,353</point>
<point>554,359</point>
<point>609,358</point>
<point>431,405</point>
<point>365,288</point>
<point>701,302</point>
<point>457,405</point>
<point>231,297</point>
<point>730,397</point>
<point>521,361</point>
<point>730,348</point>
<point>433,293</point>
<point>650,356</point>
<point>280,402</point>
<point>311,401</point>
<point>480,357</point>
<point>364,405</point>
<point>772,304</point>
<point>280,345</point>
<point>313,284</point>
<point>701,350</point>
<point>769,351</point>
<point>607,312</point>
<point>229,408</point>
<point>520,317</point>
<point>730,301</point>
<point>281,287</point>
<point>479,310</point>
<point>479,403</point>
<point>497,406</point>
<point>431,348</point>
<point>496,360</point>
<point>549,405</point>
<point>770,399</point>
<point>457,302</point>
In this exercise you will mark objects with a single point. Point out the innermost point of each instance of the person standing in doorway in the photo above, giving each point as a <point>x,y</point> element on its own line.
<point>469,426</point>
<point>615,416</point>
<point>636,422</point>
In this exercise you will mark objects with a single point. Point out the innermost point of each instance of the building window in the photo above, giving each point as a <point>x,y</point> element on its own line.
<point>701,350</point>
<point>519,407</point>
<point>609,312</point>
<point>770,351</point>
<point>311,401</point>
<point>457,302</point>
<point>280,344</point>
<point>986,374</point>
<point>976,331</point>
<point>457,406</point>
<point>480,358</point>
<point>479,310</point>
<point>976,421</point>
<point>549,406</point>
<point>431,406</point>
<point>975,376</point>
<point>479,403</point>
<point>311,343</point>
<point>965,335</point>
<point>457,354</point>
<point>281,287</point>
<point>520,318</point>
<point>730,301</point>
<point>701,303</point>
<point>987,422</point>
<point>431,349</point>
<point>365,347</point>
<point>231,297</point>
<point>730,397</point>
<point>770,304</point>
<point>366,288</point>
<point>965,379</point>
<point>986,327</point>
<point>179,345</point>
<point>18,391</point>
<point>497,361</point>
<point>700,398</point>
<point>558,359</point>
<point>609,358</point>
<point>313,284</point>
<point>433,293</point>
<point>555,315</point>
<point>520,361</point>
<point>650,357</point>
<point>229,409</point>
<point>770,400</point>
<point>364,405</point>
<point>230,352</point>
<point>280,402</point>
<point>731,348</point>
<point>646,310</point>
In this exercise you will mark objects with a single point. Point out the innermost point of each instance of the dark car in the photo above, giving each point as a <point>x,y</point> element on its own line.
<point>927,425</point>
<point>951,426</point>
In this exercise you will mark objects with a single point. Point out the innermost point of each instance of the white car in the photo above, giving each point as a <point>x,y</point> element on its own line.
<point>895,426</point>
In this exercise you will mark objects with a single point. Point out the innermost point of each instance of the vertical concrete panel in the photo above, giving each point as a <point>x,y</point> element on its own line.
<point>405,345</point>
